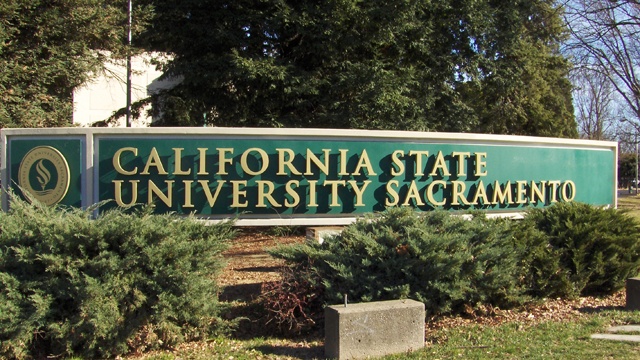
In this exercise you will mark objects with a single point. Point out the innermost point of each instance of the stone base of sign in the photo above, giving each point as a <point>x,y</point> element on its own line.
<point>633,294</point>
<point>319,233</point>
<point>373,329</point>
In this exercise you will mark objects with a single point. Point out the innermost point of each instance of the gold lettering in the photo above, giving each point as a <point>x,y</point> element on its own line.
<point>187,194</point>
<point>288,161</point>
<point>364,162</point>
<point>262,194</point>
<point>568,187</point>
<point>521,192</point>
<point>343,162</point>
<point>312,193</point>
<point>245,165</point>
<point>202,168</point>
<point>414,194</point>
<point>481,192</point>
<point>538,193</point>
<point>500,196</point>
<point>178,164</point>
<point>294,195</point>
<point>430,192</point>
<point>459,187</point>
<point>118,192</point>
<point>207,191</point>
<point>480,164</point>
<point>334,191</point>
<point>359,190</point>
<point>419,154</point>
<point>237,194</point>
<point>223,160</point>
<point>118,165</point>
<point>554,191</point>
<point>155,190</point>
<point>311,157</point>
<point>395,159</point>
<point>155,161</point>
<point>461,157</point>
<point>440,164</point>
<point>393,193</point>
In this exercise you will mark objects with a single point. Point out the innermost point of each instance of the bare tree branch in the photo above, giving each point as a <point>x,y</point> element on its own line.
<point>605,38</point>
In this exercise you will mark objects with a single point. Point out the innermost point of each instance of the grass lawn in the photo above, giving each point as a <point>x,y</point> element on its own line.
<point>546,340</point>
<point>630,203</point>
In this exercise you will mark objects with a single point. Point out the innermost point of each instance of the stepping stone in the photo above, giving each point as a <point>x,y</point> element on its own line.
<point>617,337</point>
<point>624,328</point>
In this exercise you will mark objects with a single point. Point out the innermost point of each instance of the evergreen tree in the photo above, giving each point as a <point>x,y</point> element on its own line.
<point>525,88</point>
<point>626,168</point>
<point>466,65</point>
<point>48,48</point>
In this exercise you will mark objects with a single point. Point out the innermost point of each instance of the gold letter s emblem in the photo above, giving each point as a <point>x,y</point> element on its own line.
<point>36,167</point>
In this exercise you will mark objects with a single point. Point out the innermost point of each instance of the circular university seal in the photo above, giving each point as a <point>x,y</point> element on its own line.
<point>44,173</point>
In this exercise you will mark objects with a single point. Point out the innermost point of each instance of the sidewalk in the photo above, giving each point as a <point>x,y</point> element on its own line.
<point>625,192</point>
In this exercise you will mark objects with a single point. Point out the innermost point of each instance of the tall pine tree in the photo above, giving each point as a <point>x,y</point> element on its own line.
<point>464,65</point>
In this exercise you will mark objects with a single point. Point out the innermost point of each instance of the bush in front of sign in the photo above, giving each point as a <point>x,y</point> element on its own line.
<point>455,265</point>
<point>575,249</point>
<point>74,285</point>
<point>449,263</point>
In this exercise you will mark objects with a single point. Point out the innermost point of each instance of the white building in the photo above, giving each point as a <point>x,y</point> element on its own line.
<point>99,99</point>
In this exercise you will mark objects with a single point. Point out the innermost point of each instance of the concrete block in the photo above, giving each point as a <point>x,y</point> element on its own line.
<point>319,233</point>
<point>633,294</point>
<point>373,329</point>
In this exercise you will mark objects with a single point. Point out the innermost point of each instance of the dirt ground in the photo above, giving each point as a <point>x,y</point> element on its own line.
<point>249,265</point>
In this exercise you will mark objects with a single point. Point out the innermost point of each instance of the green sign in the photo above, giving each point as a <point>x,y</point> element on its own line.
<point>284,174</point>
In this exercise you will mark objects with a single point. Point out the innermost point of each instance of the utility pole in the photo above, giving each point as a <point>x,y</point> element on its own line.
<point>636,179</point>
<point>129,16</point>
<point>635,141</point>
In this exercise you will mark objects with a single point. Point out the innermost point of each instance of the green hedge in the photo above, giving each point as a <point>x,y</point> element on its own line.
<point>446,262</point>
<point>576,249</point>
<point>74,285</point>
<point>455,265</point>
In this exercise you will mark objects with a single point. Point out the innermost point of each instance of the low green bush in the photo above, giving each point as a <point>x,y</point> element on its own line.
<point>455,265</point>
<point>543,274</point>
<point>445,261</point>
<point>581,249</point>
<point>74,285</point>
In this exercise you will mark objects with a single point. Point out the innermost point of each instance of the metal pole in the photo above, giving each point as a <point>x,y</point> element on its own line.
<point>129,11</point>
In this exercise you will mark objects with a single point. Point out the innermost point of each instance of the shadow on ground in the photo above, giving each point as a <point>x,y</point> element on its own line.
<point>599,309</point>
<point>240,292</point>
<point>310,352</point>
